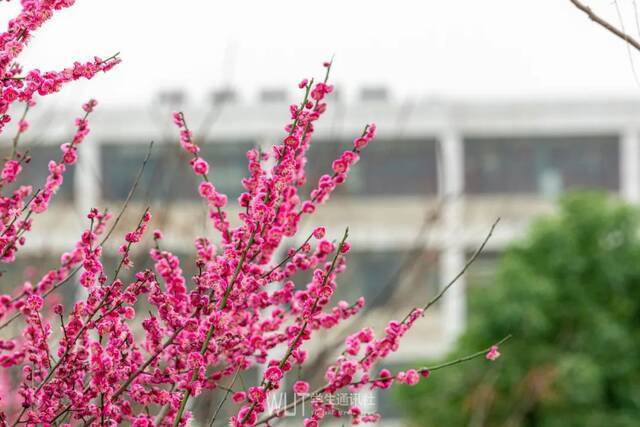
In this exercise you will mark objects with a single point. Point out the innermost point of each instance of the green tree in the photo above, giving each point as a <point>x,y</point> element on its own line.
<point>569,293</point>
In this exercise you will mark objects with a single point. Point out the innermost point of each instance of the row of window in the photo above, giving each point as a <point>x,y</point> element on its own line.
<point>544,165</point>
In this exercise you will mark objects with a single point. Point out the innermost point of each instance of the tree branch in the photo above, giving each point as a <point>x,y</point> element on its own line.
<point>606,25</point>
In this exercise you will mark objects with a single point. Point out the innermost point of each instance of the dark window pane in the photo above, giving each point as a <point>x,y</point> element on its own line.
<point>400,167</point>
<point>168,175</point>
<point>543,165</point>
<point>386,167</point>
<point>378,276</point>
<point>229,165</point>
<point>384,277</point>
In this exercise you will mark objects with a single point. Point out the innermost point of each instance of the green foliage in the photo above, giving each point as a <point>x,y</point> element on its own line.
<point>569,294</point>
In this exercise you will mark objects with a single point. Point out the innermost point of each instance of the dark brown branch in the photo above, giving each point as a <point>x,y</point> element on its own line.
<point>606,25</point>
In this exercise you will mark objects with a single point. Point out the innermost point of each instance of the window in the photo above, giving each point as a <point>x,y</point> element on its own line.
<point>168,175</point>
<point>382,277</point>
<point>229,165</point>
<point>386,167</point>
<point>540,165</point>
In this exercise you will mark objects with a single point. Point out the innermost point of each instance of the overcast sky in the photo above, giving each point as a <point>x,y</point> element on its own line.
<point>461,48</point>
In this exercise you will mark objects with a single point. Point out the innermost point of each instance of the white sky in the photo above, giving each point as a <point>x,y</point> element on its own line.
<point>461,48</point>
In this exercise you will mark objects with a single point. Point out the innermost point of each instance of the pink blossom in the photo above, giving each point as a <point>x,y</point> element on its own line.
<point>200,166</point>
<point>412,377</point>
<point>273,374</point>
<point>177,119</point>
<point>257,394</point>
<point>291,141</point>
<point>360,143</point>
<point>9,95</point>
<point>493,353</point>
<point>89,105</point>
<point>301,387</point>
<point>23,125</point>
<point>339,166</point>
<point>319,232</point>
<point>11,170</point>
<point>239,397</point>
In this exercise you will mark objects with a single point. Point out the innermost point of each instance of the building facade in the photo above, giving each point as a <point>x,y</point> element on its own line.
<point>420,201</point>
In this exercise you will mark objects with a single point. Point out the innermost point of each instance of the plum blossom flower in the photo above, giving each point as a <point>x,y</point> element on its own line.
<point>493,353</point>
<point>239,397</point>
<point>273,374</point>
<point>301,387</point>
<point>412,377</point>
<point>200,166</point>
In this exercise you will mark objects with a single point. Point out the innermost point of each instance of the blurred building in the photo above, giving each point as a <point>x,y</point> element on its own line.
<point>418,204</point>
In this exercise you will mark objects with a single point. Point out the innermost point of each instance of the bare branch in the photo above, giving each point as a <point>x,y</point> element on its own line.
<point>470,261</point>
<point>129,196</point>
<point>606,25</point>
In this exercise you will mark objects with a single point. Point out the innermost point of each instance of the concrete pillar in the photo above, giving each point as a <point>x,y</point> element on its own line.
<point>86,190</point>
<point>87,180</point>
<point>452,256</point>
<point>629,165</point>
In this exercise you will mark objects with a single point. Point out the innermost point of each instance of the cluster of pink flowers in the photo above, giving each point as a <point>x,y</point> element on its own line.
<point>137,350</point>
<point>18,208</point>
<point>340,166</point>
<point>207,190</point>
<point>18,85</point>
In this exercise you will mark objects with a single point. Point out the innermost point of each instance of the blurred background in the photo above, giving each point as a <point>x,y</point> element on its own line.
<point>484,110</point>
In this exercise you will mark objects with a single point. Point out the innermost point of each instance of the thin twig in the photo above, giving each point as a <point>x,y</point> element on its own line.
<point>470,261</point>
<point>314,393</point>
<point>630,56</point>
<point>443,365</point>
<point>129,196</point>
<point>14,149</point>
<point>284,261</point>
<point>635,14</point>
<point>606,25</point>
<point>229,389</point>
